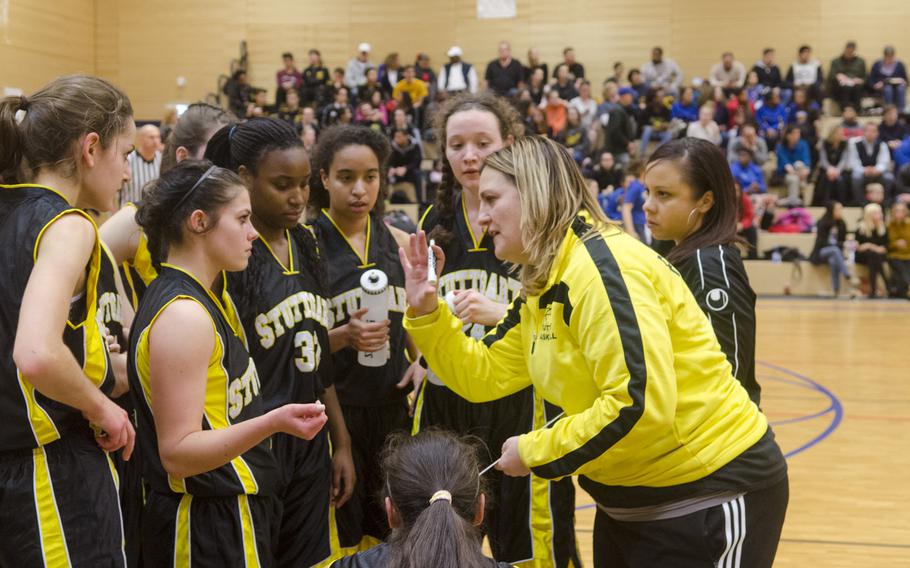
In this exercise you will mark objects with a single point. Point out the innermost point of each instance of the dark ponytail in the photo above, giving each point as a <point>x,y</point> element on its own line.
<point>442,533</point>
<point>510,124</point>
<point>335,139</point>
<point>245,144</point>
<point>55,117</point>
<point>704,168</point>
<point>166,206</point>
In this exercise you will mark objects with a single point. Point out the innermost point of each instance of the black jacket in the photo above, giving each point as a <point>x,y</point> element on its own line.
<point>823,230</point>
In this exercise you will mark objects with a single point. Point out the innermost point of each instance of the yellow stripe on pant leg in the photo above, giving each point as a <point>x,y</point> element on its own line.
<point>53,540</point>
<point>183,557</point>
<point>250,551</point>
<point>418,408</point>
<point>335,550</point>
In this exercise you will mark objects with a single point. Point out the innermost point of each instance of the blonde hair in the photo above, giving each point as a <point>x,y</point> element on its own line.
<point>552,192</point>
<point>868,226</point>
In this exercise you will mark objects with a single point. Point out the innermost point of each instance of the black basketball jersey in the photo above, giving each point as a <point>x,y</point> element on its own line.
<point>30,418</point>
<point>471,263</point>
<point>356,384</point>
<point>232,392</point>
<point>286,319</point>
<point>139,272</point>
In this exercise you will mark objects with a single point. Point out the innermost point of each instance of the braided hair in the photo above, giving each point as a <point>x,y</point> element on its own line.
<point>246,144</point>
<point>509,125</point>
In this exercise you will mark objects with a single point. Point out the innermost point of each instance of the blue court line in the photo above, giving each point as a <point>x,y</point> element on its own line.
<point>836,407</point>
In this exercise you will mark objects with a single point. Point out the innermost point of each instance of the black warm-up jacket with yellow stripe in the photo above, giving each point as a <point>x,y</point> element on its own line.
<point>619,342</point>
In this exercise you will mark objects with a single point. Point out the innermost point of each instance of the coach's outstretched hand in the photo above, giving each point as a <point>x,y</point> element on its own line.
<point>301,420</point>
<point>422,296</point>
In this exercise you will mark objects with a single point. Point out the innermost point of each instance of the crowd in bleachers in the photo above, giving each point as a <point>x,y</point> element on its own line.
<point>785,142</point>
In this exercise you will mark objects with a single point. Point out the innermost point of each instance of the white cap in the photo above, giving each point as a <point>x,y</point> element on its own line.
<point>454,51</point>
<point>363,47</point>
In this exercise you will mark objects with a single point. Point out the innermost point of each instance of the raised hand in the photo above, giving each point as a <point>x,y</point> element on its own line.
<point>422,295</point>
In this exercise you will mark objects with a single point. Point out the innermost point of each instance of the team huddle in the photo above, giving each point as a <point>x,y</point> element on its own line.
<point>198,381</point>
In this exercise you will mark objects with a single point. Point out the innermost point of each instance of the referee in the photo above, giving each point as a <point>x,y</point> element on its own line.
<point>145,163</point>
<point>682,465</point>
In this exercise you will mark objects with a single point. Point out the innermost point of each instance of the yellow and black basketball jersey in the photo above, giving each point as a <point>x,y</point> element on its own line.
<point>139,272</point>
<point>232,393</point>
<point>285,315</point>
<point>355,384</point>
<point>30,418</point>
<point>471,263</point>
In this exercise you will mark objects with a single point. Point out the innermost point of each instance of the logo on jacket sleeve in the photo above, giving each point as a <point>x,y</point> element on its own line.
<point>717,299</point>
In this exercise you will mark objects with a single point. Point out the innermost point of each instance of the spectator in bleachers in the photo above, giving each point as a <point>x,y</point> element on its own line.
<point>899,249</point>
<point>902,168</point>
<point>259,105</point>
<point>771,118</point>
<point>728,75</point>
<point>336,84</point>
<point>314,79</point>
<point>308,118</point>
<point>402,121</point>
<point>747,174</point>
<point>614,130</point>
<point>555,110</point>
<point>745,225</point>
<point>372,87</point>
<point>850,124</point>
<point>290,111</point>
<point>875,193</point>
<point>705,127</point>
<point>655,119</point>
<point>576,69</point>
<point>892,130</point>
<point>389,74</point>
<point>308,137</point>
<point>575,135</point>
<point>457,76</point>
<point>404,161</point>
<point>564,84</point>
<point>534,63</point>
<point>888,79</point>
<point>606,173</point>
<point>611,202</point>
<point>237,91</point>
<point>829,244</point>
<point>769,75</point>
<point>332,112</point>
<point>802,102</point>
<point>504,74</point>
<point>584,104</point>
<point>686,108</point>
<point>628,100</point>
<point>537,86</point>
<point>660,73</point>
<point>806,72</point>
<point>633,212</point>
<point>808,133</point>
<point>288,78</point>
<point>870,162</point>
<point>872,245</point>
<point>356,73</point>
<point>424,72</point>
<point>369,117</point>
<point>637,83</point>
<point>847,77</point>
<point>749,139</point>
<point>794,164</point>
<point>618,75</point>
<point>415,88</point>
<point>536,121</point>
<point>832,181</point>
<point>755,91</point>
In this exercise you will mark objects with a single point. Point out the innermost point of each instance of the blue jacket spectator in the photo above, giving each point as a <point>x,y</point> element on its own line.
<point>790,156</point>
<point>771,116</point>
<point>902,154</point>
<point>689,112</point>
<point>612,204</point>
<point>749,176</point>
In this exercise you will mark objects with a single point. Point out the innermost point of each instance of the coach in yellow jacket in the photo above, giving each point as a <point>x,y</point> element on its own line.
<point>683,466</point>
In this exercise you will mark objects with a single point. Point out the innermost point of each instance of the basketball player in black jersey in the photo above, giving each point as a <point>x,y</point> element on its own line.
<point>530,521</point>
<point>693,201</point>
<point>212,479</point>
<point>282,303</point>
<point>348,180</point>
<point>58,494</point>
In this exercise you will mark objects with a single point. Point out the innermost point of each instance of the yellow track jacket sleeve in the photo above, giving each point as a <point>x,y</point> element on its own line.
<point>478,370</point>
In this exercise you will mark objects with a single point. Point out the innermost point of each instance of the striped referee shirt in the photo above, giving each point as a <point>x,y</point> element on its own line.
<point>142,172</point>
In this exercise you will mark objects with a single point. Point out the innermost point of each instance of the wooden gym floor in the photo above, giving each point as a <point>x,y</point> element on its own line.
<point>836,388</point>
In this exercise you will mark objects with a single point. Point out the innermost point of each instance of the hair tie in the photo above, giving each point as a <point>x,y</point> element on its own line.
<point>441,494</point>
<point>23,103</point>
